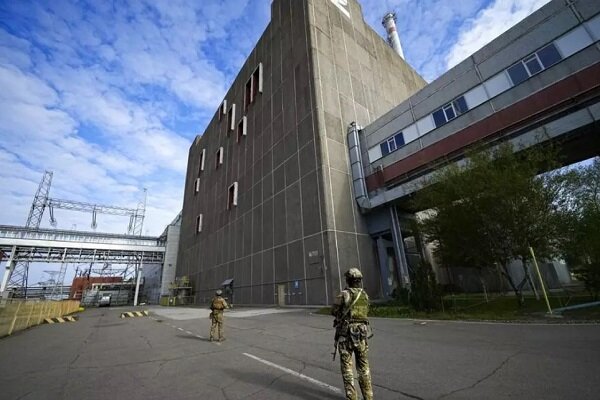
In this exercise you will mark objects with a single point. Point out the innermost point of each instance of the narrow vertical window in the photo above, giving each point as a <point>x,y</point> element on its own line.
<point>449,112</point>
<point>257,81</point>
<point>232,196</point>
<point>219,157</point>
<point>392,144</point>
<point>201,164</point>
<point>231,118</point>
<point>242,128</point>
<point>199,223</point>
<point>253,87</point>
<point>248,95</point>
<point>222,109</point>
<point>197,185</point>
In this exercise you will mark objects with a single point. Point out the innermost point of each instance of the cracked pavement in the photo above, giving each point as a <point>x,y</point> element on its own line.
<point>168,356</point>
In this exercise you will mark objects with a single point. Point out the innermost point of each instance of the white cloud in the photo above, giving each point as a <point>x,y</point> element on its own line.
<point>426,28</point>
<point>437,34</point>
<point>489,24</point>
<point>110,98</point>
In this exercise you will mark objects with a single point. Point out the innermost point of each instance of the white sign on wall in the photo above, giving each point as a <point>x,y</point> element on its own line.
<point>343,6</point>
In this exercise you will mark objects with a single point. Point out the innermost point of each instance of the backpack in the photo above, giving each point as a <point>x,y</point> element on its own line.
<point>217,304</point>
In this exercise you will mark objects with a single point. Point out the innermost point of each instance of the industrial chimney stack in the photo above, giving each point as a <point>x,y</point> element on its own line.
<point>389,22</point>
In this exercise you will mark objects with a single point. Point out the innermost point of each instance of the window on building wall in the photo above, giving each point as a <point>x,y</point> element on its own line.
<point>534,63</point>
<point>201,163</point>
<point>549,55</point>
<point>460,105</point>
<point>385,150</point>
<point>231,118</point>
<point>399,138</point>
<point>257,86</point>
<point>197,185</point>
<point>219,157</point>
<point>248,95</point>
<point>242,128</point>
<point>222,109</point>
<point>232,196</point>
<point>253,87</point>
<point>199,223</point>
<point>392,144</point>
<point>450,111</point>
<point>439,117</point>
<point>518,73</point>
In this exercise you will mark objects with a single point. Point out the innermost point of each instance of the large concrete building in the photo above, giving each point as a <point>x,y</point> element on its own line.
<point>273,184</point>
<point>268,198</point>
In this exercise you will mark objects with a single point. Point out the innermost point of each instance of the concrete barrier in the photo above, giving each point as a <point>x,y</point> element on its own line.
<point>17,315</point>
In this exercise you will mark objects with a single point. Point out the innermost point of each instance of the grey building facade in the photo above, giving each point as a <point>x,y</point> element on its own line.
<point>268,197</point>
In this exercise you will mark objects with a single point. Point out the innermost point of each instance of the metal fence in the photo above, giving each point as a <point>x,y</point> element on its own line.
<point>17,315</point>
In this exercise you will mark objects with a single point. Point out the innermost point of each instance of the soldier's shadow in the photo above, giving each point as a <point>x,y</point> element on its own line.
<point>275,381</point>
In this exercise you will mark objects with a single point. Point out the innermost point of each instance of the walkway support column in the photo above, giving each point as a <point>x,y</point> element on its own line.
<point>399,248</point>
<point>8,270</point>
<point>383,266</point>
<point>137,284</point>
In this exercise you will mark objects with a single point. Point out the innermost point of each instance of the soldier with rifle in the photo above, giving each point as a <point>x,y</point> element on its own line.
<point>217,307</point>
<point>352,331</point>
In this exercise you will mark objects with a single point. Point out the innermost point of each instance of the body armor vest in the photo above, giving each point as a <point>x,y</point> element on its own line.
<point>359,308</point>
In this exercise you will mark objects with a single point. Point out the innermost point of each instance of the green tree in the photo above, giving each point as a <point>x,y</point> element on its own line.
<point>425,294</point>
<point>580,225</point>
<point>488,212</point>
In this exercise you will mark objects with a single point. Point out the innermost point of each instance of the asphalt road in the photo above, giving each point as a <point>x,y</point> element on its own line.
<point>286,355</point>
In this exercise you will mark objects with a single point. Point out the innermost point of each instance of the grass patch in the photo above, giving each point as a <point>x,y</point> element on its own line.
<point>475,307</point>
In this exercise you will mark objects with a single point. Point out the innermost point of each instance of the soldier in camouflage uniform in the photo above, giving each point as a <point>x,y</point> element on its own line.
<point>352,331</point>
<point>217,306</point>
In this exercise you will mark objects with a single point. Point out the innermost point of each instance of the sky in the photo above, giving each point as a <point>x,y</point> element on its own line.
<point>109,95</point>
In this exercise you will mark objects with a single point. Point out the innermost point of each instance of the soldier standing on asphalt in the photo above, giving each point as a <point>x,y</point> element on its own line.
<point>217,306</point>
<point>351,309</point>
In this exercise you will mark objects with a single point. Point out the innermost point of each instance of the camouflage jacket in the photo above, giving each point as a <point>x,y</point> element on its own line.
<point>218,304</point>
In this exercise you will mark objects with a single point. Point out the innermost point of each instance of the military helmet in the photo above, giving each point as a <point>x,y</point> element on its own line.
<point>353,273</point>
<point>219,292</point>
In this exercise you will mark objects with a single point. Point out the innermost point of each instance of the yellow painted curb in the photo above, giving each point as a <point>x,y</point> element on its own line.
<point>132,314</point>
<point>60,320</point>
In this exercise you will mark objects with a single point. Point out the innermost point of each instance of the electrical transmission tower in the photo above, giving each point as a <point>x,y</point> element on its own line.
<point>18,277</point>
<point>136,215</point>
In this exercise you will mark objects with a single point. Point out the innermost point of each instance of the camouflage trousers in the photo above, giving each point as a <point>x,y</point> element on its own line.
<point>347,349</point>
<point>216,328</point>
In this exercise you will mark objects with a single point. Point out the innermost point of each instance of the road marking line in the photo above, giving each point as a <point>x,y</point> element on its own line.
<point>189,333</point>
<point>296,374</point>
<point>201,337</point>
<point>180,329</point>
